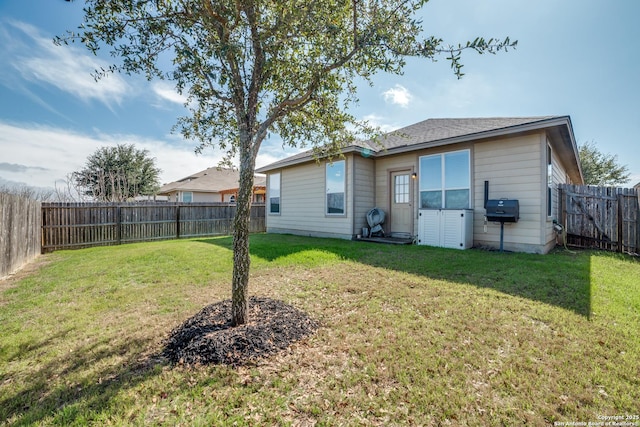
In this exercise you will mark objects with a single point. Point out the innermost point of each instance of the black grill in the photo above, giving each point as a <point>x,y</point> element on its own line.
<point>503,210</point>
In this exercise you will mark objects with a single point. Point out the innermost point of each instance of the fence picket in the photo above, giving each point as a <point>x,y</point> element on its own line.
<point>20,235</point>
<point>601,217</point>
<point>82,225</point>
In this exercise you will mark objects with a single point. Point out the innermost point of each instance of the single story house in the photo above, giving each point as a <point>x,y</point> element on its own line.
<point>211,185</point>
<point>426,175</point>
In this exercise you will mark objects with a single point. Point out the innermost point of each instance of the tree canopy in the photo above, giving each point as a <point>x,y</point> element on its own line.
<point>255,67</point>
<point>599,168</point>
<point>117,174</point>
<point>28,192</point>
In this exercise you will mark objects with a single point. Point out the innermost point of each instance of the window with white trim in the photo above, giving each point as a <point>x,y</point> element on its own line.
<point>445,180</point>
<point>186,196</point>
<point>335,188</point>
<point>549,181</point>
<point>274,193</point>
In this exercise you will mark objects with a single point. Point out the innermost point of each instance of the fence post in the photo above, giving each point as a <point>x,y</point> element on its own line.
<point>177,220</point>
<point>638,222</point>
<point>638,229</point>
<point>43,222</point>
<point>563,214</point>
<point>620,222</point>
<point>118,225</point>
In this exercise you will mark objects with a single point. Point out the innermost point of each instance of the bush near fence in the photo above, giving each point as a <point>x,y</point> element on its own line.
<point>20,221</point>
<point>82,225</point>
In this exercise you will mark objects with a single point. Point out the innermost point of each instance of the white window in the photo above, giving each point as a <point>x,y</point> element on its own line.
<point>335,188</point>
<point>274,193</point>
<point>549,181</point>
<point>445,181</point>
<point>186,196</point>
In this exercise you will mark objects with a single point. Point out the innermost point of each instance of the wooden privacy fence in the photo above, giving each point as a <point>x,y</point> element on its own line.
<point>601,217</point>
<point>82,225</point>
<point>19,232</point>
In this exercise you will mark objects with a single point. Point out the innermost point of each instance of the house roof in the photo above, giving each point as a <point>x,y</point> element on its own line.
<point>437,132</point>
<point>433,130</point>
<point>210,180</point>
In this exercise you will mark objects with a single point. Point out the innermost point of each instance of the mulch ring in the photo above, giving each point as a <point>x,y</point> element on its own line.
<point>209,338</point>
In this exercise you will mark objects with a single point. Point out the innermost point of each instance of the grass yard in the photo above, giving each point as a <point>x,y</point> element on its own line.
<point>410,336</point>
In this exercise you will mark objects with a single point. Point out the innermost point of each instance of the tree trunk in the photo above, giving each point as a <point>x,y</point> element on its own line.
<point>241,258</point>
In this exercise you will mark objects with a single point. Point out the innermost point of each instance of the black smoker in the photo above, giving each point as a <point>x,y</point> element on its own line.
<point>501,210</point>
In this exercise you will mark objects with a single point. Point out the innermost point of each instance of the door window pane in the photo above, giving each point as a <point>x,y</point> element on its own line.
<point>401,188</point>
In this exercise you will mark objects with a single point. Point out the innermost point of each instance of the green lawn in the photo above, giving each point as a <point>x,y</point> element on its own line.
<point>410,335</point>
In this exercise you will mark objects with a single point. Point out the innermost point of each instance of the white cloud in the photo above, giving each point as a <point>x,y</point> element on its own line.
<point>398,95</point>
<point>265,159</point>
<point>167,92</point>
<point>464,94</point>
<point>271,154</point>
<point>68,68</point>
<point>41,156</point>
<point>472,96</point>
<point>379,122</point>
<point>49,154</point>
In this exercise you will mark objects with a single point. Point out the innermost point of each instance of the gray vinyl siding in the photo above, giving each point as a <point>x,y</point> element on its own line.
<point>559,177</point>
<point>514,170</point>
<point>302,203</point>
<point>364,194</point>
<point>384,167</point>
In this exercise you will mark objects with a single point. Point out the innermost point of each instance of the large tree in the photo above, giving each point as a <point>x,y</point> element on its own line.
<point>117,174</point>
<point>254,67</point>
<point>599,168</point>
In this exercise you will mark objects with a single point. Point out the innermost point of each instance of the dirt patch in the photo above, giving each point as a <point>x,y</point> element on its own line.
<point>24,271</point>
<point>209,338</point>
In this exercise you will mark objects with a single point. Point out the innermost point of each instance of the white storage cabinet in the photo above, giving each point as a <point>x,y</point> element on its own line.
<point>448,228</point>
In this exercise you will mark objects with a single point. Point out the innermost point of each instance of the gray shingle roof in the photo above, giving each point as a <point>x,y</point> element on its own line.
<point>442,129</point>
<point>428,132</point>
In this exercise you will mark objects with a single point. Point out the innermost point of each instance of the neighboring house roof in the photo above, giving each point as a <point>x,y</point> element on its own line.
<point>211,180</point>
<point>437,132</point>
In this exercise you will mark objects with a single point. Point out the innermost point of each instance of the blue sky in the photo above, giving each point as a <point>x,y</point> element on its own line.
<point>574,57</point>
